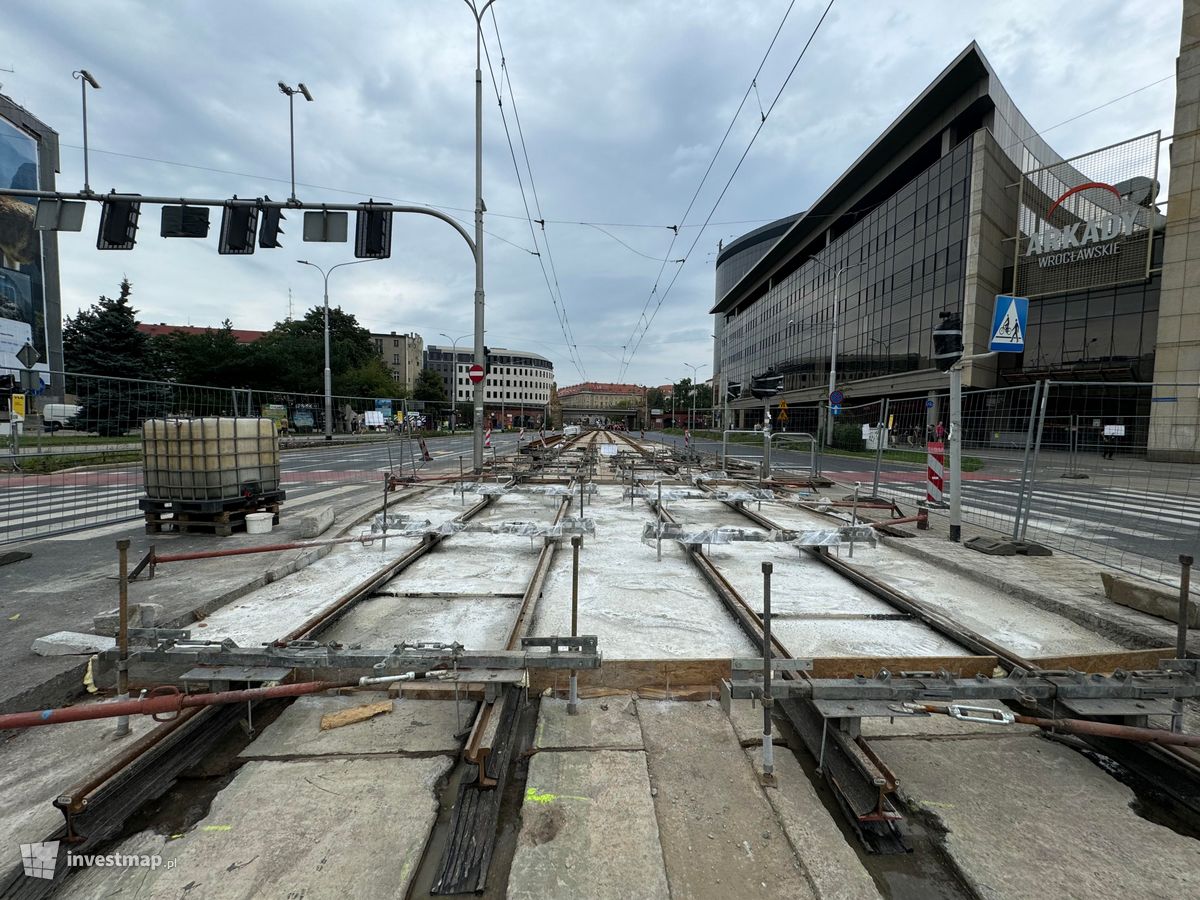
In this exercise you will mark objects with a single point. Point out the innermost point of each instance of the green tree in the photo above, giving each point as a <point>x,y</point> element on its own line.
<point>430,387</point>
<point>102,344</point>
<point>214,357</point>
<point>291,357</point>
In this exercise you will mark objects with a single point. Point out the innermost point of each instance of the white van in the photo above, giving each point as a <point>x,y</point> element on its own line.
<point>60,415</point>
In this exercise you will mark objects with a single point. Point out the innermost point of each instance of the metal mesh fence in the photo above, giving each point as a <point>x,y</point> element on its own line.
<point>78,463</point>
<point>1104,486</point>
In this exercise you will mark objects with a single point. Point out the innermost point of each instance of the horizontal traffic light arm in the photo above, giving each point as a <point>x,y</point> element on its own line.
<point>974,357</point>
<point>254,202</point>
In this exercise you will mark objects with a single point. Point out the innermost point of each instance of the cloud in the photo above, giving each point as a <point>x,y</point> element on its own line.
<point>621,106</point>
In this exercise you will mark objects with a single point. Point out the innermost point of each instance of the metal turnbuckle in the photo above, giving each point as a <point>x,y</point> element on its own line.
<point>984,714</point>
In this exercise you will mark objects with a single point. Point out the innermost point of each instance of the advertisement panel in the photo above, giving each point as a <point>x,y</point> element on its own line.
<point>1088,221</point>
<point>22,291</point>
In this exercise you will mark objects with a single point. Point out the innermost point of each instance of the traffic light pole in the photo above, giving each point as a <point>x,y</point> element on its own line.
<point>955,483</point>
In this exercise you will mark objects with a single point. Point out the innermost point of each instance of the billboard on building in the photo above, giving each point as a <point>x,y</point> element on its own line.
<point>1088,221</point>
<point>22,288</point>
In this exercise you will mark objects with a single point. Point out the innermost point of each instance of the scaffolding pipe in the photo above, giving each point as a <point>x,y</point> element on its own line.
<point>1181,629</point>
<point>573,697</point>
<point>165,699</point>
<point>768,757</point>
<point>123,632</point>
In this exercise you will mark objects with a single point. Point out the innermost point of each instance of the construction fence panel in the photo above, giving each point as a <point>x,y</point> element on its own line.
<point>76,461</point>
<point>1106,485</point>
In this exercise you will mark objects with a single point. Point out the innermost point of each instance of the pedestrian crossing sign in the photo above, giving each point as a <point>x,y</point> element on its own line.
<point>1008,324</point>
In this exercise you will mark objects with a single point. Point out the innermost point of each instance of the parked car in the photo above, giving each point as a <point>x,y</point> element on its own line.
<point>60,415</point>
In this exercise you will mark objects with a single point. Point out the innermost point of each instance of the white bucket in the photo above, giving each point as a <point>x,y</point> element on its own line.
<point>259,523</point>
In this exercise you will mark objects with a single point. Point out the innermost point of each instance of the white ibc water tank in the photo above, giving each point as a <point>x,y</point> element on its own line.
<point>213,458</point>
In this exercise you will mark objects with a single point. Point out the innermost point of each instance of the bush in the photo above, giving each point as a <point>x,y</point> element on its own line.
<point>848,437</point>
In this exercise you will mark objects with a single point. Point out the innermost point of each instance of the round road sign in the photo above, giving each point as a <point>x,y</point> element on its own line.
<point>475,373</point>
<point>836,397</point>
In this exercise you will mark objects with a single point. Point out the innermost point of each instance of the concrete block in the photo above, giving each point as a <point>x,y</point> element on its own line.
<point>608,722</point>
<point>1080,834</point>
<point>316,523</point>
<point>70,643</point>
<point>588,829</point>
<point>1148,600</point>
<point>141,615</point>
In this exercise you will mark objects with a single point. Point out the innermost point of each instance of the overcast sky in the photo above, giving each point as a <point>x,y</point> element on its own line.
<point>622,105</point>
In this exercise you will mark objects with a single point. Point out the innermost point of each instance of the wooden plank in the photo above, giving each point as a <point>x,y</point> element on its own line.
<point>1129,660</point>
<point>694,675</point>
<point>354,714</point>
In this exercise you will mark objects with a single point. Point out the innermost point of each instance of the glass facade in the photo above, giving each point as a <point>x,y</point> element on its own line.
<point>902,263</point>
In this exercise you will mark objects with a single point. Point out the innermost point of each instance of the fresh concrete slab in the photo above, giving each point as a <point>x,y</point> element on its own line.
<point>310,828</point>
<point>473,622</point>
<point>601,722</point>
<point>38,764</point>
<point>413,726</point>
<point>588,830</point>
<point>720,836</point>
<point>1025,817</point>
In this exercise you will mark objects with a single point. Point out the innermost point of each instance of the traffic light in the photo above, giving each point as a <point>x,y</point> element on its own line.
<point>373,234</point>
<point>184,222</point>
<point>733,390</point>
<point>8,384</point>
<point>487,362</point>
<point>268,234</point>
<point>118,222</point>
<point>767,385</point>
<point>238,225</point>
<point>947,341</point>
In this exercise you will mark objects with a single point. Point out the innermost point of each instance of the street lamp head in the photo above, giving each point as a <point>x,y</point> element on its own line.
<point>284,89</point>
<point>304,91</point>
<point>86,76</point>
<point>304,262</point>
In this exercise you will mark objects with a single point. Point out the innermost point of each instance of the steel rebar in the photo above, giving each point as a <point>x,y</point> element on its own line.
<point>123,632</point>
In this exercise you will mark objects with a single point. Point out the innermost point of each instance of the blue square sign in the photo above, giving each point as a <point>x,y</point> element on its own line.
<point>1008,324</point>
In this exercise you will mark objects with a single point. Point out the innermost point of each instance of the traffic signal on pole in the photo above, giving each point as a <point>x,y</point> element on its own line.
<point>8,384</point>
<point>238,225</point>
<point>733,390</point>
<point>268,234</point>
<point>487,362</point>
<point>118,222</point>
<point>947,341</point>
<point>767,385</point>
<point>373,233</point>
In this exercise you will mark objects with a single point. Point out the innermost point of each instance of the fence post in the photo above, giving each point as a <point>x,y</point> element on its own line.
<point>1037,447</point>
<point>1033,415</point>
<point>879,439</point>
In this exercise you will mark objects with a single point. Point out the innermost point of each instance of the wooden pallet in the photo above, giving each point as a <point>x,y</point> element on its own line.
<point>222,523</point>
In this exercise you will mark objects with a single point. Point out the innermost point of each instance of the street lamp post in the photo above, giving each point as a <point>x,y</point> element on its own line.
<point>325,273</point>
<point>85,78</point>
<point>291,95</point>
<point>453,373</point>
<point>478,11</point>
<point>837,298</point>
<point>695,373</point>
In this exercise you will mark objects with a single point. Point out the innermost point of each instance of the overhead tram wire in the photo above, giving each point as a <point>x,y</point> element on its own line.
<point>732,175</point>
<point>512,98</point>
<point>704,178</point>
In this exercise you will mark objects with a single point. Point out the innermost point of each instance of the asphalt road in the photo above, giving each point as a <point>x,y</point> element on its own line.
<point>37,505</point>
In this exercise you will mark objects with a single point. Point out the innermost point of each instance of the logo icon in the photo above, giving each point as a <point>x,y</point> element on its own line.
<point>39,860</point>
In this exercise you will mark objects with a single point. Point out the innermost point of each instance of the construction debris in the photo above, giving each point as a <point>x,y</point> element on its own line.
<point>354,714</point>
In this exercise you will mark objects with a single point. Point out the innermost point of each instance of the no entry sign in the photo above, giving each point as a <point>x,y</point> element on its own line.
<point>475,373</point>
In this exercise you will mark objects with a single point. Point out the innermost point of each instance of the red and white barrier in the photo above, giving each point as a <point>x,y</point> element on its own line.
<point>487,438</point>
<point>935,479</point>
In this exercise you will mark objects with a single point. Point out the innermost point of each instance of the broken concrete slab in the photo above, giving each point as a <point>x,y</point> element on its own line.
<point>141,615</point>
<point>607,722</point>
<point>1146,599</point>
<point>834,871</point>
<point>237,851</point>
<point>314,524</point>
<point>413,726</point>
<point>1079,835</point>
<point>588,829</point>
<point>720,837</point>
<point>71,643</point>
